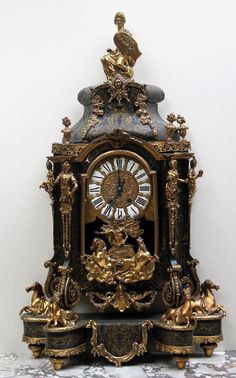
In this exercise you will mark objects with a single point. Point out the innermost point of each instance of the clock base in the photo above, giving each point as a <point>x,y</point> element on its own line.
<point>120,339</point>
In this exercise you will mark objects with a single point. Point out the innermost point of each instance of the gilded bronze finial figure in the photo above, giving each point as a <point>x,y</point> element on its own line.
<point>123,58</point>
<point>68,185</point>
<point>170,128</point>
<point>182,129</point>
<point>66,131</point>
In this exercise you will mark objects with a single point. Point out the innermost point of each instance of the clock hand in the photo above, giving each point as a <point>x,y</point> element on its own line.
<point>119,175</point>
<point>120,187</point>
<point>119,190</point>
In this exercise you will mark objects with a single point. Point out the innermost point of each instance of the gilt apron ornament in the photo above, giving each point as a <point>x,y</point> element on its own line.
<point>121,187</point>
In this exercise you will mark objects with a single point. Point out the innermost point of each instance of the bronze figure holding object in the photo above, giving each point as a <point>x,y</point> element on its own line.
<point>192,177</point>
<point>123,58</point>
<point>49,184</point>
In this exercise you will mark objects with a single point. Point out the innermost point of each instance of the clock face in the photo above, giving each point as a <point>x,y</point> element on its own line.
<point>119,187</point>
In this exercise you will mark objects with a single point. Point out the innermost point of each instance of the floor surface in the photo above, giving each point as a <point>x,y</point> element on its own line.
<point>222,364</point>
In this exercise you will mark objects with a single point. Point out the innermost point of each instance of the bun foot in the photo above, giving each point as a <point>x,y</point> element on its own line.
<point>180,361</point>
<point>36,349</point>
<point>57,362</point>
<point>208,348</point>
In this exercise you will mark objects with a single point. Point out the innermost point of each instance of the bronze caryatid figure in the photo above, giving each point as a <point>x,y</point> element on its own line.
<point>172,197</point>
<point>68,185</point>
<point>123,58</point>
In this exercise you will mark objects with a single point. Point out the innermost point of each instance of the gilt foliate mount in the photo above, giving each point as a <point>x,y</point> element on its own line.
<point>121,188</point>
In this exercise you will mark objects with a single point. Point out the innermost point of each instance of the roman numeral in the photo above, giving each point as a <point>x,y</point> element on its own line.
<point>119,163</point>
<point>141,201</point>
<point>107,210</point>
<point>120,213</point>
<point>132,210</point>
<point>98,201</point>
<point>140,174</point>
<point>94,189</point>
<point>97,176</point>
<point>107,167</point>
<point>132,166</point>
<point>144,188</point>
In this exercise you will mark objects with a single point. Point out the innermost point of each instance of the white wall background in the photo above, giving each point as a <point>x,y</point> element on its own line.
<point>50,49</point>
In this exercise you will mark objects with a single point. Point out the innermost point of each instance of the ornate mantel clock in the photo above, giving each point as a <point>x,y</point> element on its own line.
<point>121,187</point>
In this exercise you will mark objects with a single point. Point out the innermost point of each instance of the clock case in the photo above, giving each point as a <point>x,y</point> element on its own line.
<point>157,153</point>
<point>124,319</point>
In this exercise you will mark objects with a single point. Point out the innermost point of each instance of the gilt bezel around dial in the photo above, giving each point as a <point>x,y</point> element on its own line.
<point>119,185</point>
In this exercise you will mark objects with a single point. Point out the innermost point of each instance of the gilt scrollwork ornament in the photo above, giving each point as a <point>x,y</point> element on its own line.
<point>97,111</point>
<point>59,280</point>
<point>58,316</point>
<point>68,149</point>
<point>39,304</point>
<point>138,348</point>
<point>119,138</point>
<point>172,198</point>
<point>143,114</point>
<point>172,289</point>
<point>49,184</point>
<point>172,146</point>
<point>52,280</point>
<point>116,261</point>
<point>68,185</point>
<point>121,299</point>
<point>118,90</point>
<point>69,289</point>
